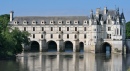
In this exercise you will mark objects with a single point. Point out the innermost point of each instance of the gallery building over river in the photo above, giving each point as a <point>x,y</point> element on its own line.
<point>103,31</point>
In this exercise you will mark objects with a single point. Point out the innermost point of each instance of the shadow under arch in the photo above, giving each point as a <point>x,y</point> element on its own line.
<point>52,46</point>
<point>68,46</point>
<point>34,46</point>
<point>106,48</point>
<point>81,47</point>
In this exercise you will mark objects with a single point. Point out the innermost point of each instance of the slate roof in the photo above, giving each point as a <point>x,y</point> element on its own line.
<point>113,13</point>
<point>47,19</point>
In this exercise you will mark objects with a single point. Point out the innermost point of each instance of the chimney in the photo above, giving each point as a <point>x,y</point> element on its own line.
<point>105,10</point>
<point>97,12</point>
<point>11,15</point>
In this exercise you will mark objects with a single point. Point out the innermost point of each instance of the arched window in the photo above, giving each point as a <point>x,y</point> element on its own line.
<point>120,32</point>
<point>75,36</point>
<point>67,35</point>
<point>51,35</point>
<point>84,35</point>
<point>59,36</point>
<point>117,31</point>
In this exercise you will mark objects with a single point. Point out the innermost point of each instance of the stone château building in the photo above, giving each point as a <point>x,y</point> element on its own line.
<point>100,32</point>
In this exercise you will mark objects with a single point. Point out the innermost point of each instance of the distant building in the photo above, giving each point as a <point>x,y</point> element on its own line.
<point>101,32</point>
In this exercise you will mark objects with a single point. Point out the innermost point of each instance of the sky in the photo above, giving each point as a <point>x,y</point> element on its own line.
<point>61,7</point>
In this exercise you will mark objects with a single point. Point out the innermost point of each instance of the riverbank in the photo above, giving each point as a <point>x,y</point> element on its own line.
<point>7,57</point>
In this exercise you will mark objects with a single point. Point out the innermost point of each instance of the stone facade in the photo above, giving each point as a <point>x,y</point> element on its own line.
<point>100,29</point>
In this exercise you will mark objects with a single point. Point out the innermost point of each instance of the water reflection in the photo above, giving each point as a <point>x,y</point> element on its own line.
<point>67,62</point>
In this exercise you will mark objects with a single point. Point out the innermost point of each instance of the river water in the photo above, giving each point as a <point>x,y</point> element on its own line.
<point>51,61</point>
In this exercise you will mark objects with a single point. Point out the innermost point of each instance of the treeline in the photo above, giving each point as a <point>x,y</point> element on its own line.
<point>11,39</point>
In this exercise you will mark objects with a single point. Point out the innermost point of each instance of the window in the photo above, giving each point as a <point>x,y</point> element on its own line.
<point>15,22</point>
<point>24,28</point>
<point>59,28</point>
<point>85,21</point>
<point>33,28</point>
<point>109,28</point>
<point>75,28</point>
<point>68,22</point>
<point>59,36</point>
<point>25,22</point>
<point>42,28</point>
<point>76,22</point>
<point>33,35</point>
<point>51,35</point>
<point>75,36</point>
<point>108,36</point>
<point>84,28</point>
<point>84,35</point>
<point>117,31</point>
<point>34,22</point>
<point>41,36</point>
<point>43,22</point>
<point>51,28</point>
<point>67,28</point>
<point>67,35</point>
<point>52,22</point>
<point>60,22</point>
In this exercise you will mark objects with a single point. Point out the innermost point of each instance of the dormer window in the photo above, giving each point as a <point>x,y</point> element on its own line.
<point>52,22</point>
<point>15,22</point>
<point>68,22</point>
<point>60,22</point>
<point>85,22</point>
<point>43,22</point>
<point>25,22</point>
<point>34,22</point>
<point>76,22</point>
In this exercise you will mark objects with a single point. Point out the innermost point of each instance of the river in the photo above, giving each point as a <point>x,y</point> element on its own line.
<point>53,61</point>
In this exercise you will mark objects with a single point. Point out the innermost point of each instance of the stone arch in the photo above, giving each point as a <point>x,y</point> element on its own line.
<point>106,47</point>
<point>81,46</point>
<point>68,46</point>
<point>52,46</point>
<point>34,46</point>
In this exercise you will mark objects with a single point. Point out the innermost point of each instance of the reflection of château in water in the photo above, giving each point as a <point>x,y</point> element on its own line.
<point>74,62</point>
<point>94,33</point>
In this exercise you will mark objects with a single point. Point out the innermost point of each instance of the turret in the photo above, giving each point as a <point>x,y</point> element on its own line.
<point>122,18</point>
<point>91,15</point>
<point>11,15</point>
<point>105,10</point>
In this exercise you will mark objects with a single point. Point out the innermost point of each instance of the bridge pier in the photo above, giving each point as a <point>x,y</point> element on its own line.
<point>60,45</point>
<point>76,46</point>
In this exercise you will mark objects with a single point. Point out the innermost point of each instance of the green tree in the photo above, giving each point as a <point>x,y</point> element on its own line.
<point>128,30</point>
<point>11,40</point>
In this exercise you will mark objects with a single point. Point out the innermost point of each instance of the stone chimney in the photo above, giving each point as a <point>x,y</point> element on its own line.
<point>97,12</point>
<point>105,10</point>
<point>11,15</point>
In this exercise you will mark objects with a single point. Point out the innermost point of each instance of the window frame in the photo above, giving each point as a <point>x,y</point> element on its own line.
<point>67,28</point>
<point>34,29</point>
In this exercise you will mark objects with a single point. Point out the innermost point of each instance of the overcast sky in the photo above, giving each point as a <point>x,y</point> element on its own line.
<point>61,7</point>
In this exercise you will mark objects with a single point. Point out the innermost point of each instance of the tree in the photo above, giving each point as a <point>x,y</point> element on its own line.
<point>11,40</point>
<point>128,30</point>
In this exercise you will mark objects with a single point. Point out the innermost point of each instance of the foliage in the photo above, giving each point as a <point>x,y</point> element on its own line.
<point>128,30</point>
<point>11,40</point>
